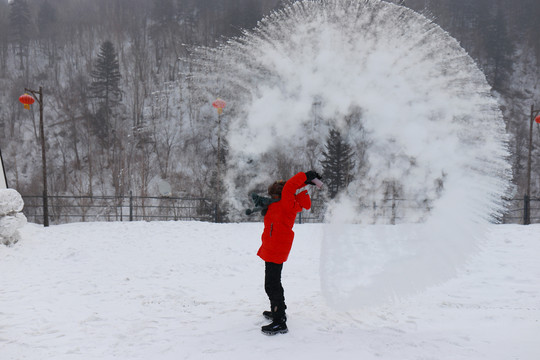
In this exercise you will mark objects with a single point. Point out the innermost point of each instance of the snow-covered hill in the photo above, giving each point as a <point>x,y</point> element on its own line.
<point>189,290</point>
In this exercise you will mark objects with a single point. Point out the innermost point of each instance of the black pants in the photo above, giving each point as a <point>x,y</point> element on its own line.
<point>274,289</point>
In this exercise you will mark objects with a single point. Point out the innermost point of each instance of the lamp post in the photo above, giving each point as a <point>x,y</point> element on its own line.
<point>38,96</point>
<point>219,104</point>
<point>527,212</point>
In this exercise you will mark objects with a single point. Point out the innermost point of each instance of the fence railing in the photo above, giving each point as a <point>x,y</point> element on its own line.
<point>68,209</point>
<point>522,211</point>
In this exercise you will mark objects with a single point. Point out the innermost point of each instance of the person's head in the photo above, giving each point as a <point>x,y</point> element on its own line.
<point>275,189</point>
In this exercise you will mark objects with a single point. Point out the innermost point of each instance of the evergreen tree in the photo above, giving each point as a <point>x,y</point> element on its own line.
<point>106,76</point>
<point>337,163</point>
<point>105,86</point>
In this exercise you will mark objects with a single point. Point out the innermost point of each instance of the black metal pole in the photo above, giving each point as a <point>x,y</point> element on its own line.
<point>218,171</point>
<point>44,161</point>
<point>130,205</point>
<point>39,99</point>
<point>527,213</point>
<point>526,210</point>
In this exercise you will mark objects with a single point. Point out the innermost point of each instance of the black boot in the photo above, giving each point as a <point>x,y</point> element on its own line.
<point>278,325</point>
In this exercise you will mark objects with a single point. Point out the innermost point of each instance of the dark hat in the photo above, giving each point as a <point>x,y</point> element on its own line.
<point>275,189</point>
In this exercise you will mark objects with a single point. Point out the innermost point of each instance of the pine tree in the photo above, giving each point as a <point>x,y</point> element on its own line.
<point>337,163</point>
<point>105,87</point>
<point>106,76</point>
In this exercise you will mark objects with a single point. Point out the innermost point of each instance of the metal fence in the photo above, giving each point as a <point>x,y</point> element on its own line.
<point>68,209</point>
<point>522,211</point>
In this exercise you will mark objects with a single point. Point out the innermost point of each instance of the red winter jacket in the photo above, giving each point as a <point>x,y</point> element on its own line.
<point>278,236</point>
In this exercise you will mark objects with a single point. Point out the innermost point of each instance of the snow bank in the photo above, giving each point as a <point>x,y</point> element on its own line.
<point>11,217</point>
<point>193,290</point>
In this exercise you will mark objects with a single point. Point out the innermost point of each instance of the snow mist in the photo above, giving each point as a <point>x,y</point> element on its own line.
<point>405,95</point>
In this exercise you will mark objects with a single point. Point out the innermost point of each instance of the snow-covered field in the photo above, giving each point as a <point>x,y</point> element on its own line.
<point>190,290</point>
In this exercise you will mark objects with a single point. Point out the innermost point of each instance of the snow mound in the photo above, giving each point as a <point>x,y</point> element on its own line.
<point>10,202</point>
<point>11,217</point>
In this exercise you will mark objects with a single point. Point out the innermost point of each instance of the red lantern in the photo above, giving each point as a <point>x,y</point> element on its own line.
<point>219,104</point>
<point>27,100</point>
<point>537,119</point>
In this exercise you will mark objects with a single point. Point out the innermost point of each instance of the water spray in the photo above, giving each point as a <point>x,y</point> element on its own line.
<point>408,97</point>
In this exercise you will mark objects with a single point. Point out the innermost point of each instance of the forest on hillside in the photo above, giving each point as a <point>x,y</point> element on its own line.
<point>122,111</point>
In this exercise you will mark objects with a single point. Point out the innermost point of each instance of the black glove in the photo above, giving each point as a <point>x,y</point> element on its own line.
<point>257,200</point>
<point>261,201</point>
<point>310,175</point>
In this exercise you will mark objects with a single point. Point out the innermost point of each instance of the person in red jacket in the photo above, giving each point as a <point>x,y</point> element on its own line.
<point>277,239</point>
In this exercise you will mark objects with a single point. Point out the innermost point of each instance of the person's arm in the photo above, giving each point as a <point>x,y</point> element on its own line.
<point>290,187</point>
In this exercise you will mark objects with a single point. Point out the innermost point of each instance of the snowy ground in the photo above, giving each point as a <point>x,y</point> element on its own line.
<point>189,290</point>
